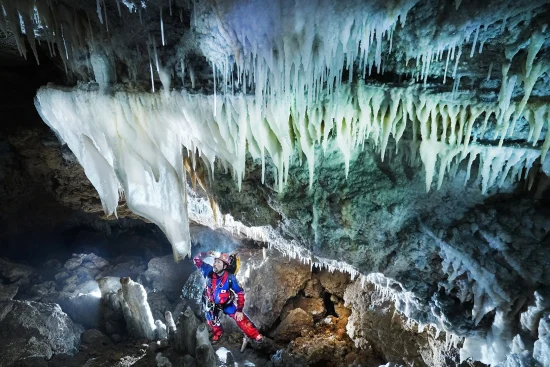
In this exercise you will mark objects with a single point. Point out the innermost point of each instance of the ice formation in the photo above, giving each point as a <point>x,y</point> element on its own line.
<point>134,141</point>
<point>507,342</point>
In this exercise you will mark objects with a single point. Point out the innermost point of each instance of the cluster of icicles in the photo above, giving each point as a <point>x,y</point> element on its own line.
<point>133,141</point>
<point>292,61</point>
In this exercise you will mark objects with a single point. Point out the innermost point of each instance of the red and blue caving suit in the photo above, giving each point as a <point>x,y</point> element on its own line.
<point>218,291</point>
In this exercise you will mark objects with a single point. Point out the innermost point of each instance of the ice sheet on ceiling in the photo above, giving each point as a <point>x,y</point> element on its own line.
<point>119,143</point>
<point>133,141</point>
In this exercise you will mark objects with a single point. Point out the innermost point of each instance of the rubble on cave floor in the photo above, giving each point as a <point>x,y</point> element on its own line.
<point>96,300</point>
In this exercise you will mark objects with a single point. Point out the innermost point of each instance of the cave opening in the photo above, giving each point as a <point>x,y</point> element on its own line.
<point>329,305</point>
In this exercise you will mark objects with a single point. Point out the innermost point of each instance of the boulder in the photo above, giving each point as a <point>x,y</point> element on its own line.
<point>292,326</point>
<point>15,273</point>
<point>269,284</point>
<point>163,274</point>
<point>314,306</point>
<point>33,329</point>
<point>313,288</point>
<point>8,291</point>
<point>193,287</point>
<point>333,282</point>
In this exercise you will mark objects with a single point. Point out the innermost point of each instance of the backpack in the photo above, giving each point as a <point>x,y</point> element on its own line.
<point>234,264</point>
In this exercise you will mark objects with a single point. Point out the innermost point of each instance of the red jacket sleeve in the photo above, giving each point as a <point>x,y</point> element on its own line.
<point>198,259</point>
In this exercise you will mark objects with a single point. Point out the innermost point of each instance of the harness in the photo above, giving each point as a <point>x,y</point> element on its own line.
<point>209,294</point>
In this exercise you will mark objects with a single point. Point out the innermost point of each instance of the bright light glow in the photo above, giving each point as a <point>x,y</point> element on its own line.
<point>96,294</point>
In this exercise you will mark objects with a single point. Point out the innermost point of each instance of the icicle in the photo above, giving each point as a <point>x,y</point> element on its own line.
<point>105,14</point>
<point>182,71</point>
<point>152,79</point>
<point>489,72</point>
<point>457,59</point>
<point>456,85</point>
<point>170,6</point>
<point>99,11</point>
<point>475,41</point>
<point>161,26</point>
<point>481,46</point>
<point>118,7</point>
<point>215,99</point>
<point>446,66</point>
<point>181,15</point>
<point>156,54</point>
<point>192,77</point>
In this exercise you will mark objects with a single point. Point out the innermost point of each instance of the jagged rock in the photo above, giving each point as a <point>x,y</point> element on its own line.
<point>270,285</point>
<point>186,331</point>
<point>541,350</point>
<point>313,288</point>
<point>293,325</point>
<point>74,262</point>
<point>88,261</point>
<point>375,320</point>
<point>125,266</point>
<point>35,329</point>
<point>7,292</point>
<point>94,336</point>
<point>164,274</point>
<point>179,307</point>
<point>343,314</point>
<point>61,276</point>
<point>162,361</point>
<point>92,261</point>
<point>109,284</point>
<point>15,273</point>
<point>194,286</point>
<point>313,306</point>
<point>204,353</point>
<point>138,316</point>
<point>333,282</point>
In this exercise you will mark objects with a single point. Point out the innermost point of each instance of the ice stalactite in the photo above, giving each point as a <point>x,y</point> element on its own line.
<point>123,156</point>
<point>118,140</point>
